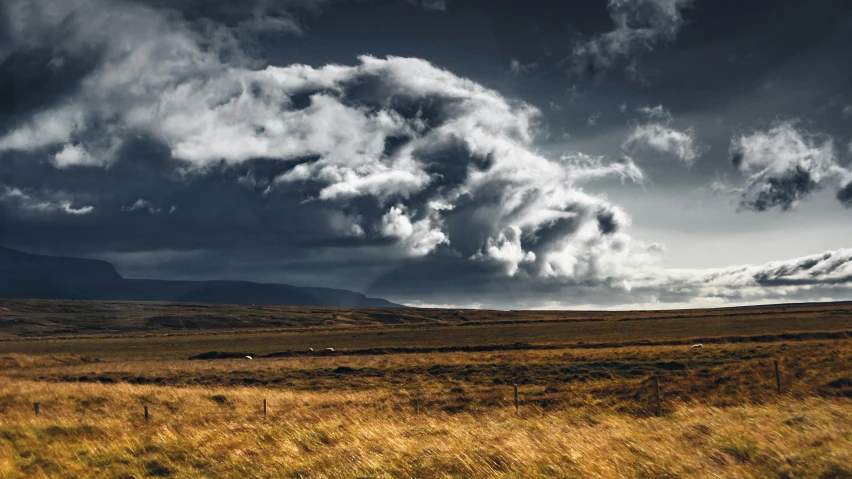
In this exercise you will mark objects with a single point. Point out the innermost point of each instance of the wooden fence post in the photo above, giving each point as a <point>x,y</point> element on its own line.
<point>517,405</point>
<point>659,403</point>
<point>264,408</point>
<point>777,378</point>
<point>36,407</point>
<point>145,409</point>
<point>416,406</point>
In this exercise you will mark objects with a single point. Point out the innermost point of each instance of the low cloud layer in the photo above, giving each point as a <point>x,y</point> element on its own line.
<point>143,205</point>
<point>42,203</point>
<point>825,276</point>
<point>774,281</point>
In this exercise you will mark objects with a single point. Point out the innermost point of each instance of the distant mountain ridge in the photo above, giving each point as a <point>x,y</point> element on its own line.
<point>25,275</point>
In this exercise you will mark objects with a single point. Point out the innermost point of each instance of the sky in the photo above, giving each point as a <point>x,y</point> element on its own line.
<point>617,154</point>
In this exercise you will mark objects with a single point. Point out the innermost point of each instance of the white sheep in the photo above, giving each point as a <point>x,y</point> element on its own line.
<point>249,357</point>
<point>329,350</point>
<point>311,349</point>
<point>699,345</point>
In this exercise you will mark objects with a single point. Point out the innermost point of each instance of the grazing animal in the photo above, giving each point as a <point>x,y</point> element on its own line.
<point>330,350</point>
<point>311,349</point>
<point>699,345</point>
<point>249,357</point>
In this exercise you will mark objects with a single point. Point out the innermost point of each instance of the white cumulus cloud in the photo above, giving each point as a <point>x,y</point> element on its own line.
<point>657,137</point>
<point>784,165</point>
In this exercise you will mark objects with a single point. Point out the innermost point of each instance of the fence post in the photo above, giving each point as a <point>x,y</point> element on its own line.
<point>416,406</point>
<point>517,405</point>
<point>264,408</point>
<point>659,403</point>
<point>777,377</point>
<point>36,407</point>
<point>145,409</point>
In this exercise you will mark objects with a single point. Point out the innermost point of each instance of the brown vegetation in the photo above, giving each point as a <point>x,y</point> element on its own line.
<point>41,318</point>
<point>95,430</point>
<point>390,406</point>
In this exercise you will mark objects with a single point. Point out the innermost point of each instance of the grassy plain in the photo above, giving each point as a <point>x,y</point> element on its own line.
<point>428,397</point>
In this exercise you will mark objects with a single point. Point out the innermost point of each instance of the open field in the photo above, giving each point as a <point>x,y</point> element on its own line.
<point>432,397</point>
<point>95,430</point>
<point>41,318</point>
<point>135,331</point>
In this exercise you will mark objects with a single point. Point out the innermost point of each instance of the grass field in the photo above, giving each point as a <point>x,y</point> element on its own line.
<point>111,330</point>
<point>427,397</point>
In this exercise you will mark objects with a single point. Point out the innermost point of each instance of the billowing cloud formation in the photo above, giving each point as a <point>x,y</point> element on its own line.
<point>784,165</point>
<point>657,136</point>
<point>826,276</point>
<point>430,182</point>
<point>434,160</point>
<point>639,26</point>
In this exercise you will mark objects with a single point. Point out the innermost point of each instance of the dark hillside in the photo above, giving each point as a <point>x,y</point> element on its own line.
<point>32,276</point>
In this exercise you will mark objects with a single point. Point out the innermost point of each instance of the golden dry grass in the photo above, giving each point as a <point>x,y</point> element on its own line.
<point>721,374</point>
<point>425,396</point>
<point>584,413</point>
<point>94,430</point>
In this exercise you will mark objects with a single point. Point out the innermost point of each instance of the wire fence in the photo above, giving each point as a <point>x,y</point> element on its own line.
<point>654,391</point>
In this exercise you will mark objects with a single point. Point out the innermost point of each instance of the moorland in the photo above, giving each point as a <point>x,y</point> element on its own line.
<point>422,392</point>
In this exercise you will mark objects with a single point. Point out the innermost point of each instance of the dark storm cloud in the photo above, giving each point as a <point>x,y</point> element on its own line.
<point>392,154</point>
<point>784,165</point>
<point>217,209</point>
<point>266,16</point>
<point>36,79</point>
<point>639,26</point>
<point>154,134</point>
<point>607,222</point>
<point>844,195</point>
<point>783,191</point>
<point>284,15</point>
